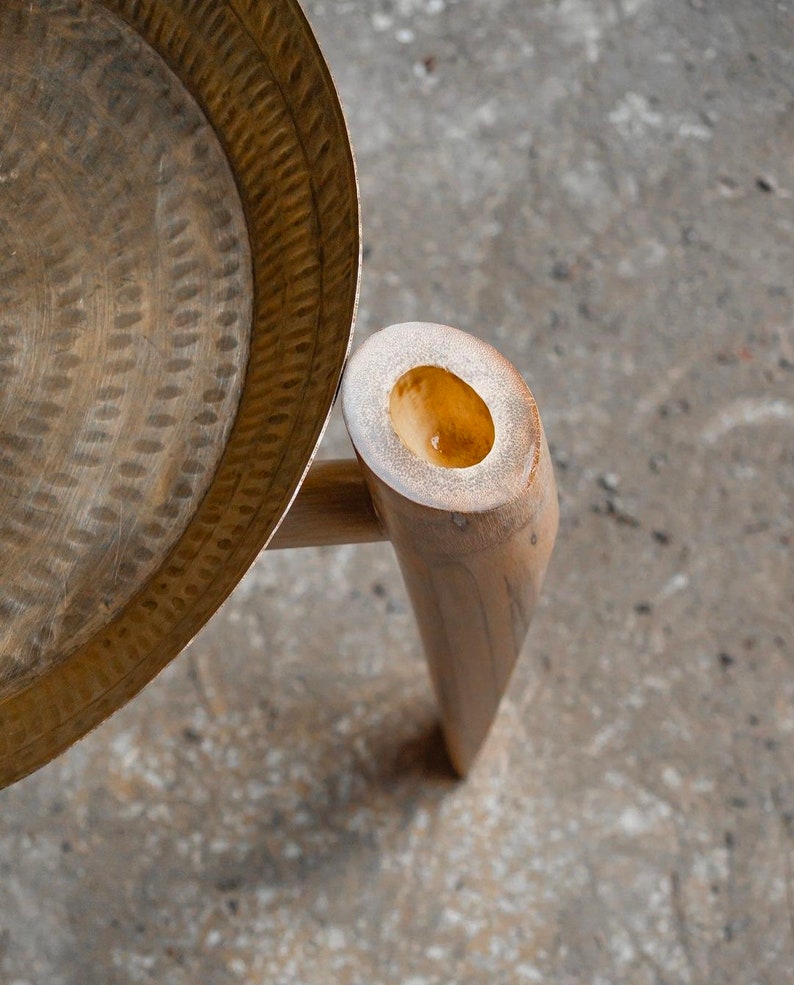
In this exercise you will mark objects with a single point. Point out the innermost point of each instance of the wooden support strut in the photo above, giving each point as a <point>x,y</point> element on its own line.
<point>333,506</point>
<point>454,469</point>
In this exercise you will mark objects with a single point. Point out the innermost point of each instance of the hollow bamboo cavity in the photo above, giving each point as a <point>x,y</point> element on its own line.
<point>453,452</point>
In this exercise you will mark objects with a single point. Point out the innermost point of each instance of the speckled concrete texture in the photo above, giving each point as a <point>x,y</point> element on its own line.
<point>603,190</point>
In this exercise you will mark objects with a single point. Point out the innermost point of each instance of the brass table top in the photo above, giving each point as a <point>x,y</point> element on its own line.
<point>178,273</point>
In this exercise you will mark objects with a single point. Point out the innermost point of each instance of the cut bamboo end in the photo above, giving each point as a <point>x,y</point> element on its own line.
<point>454,454</point>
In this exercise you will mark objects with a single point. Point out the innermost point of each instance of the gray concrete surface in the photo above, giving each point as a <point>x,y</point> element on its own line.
<point>603,189</point>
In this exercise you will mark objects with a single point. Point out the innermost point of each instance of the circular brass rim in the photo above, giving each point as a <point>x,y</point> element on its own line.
<point>260,78</point>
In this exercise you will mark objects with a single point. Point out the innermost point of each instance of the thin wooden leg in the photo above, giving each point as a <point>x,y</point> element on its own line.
<point>455,458</point>
<point>333,506</point>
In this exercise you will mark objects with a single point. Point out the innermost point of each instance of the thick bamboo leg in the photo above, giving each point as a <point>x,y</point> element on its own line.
<point>453,451</point>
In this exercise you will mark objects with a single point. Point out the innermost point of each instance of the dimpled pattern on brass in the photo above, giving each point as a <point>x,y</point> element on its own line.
<point>126,317</point>
<point>179,243</point>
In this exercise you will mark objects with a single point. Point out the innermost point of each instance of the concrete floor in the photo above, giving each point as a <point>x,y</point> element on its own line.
<point>604,190</point>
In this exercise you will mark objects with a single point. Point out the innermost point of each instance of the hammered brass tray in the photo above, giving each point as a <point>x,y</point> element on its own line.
<point>178,273</point>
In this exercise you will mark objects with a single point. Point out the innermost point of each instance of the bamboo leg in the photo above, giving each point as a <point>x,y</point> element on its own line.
<point>454,454</point>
